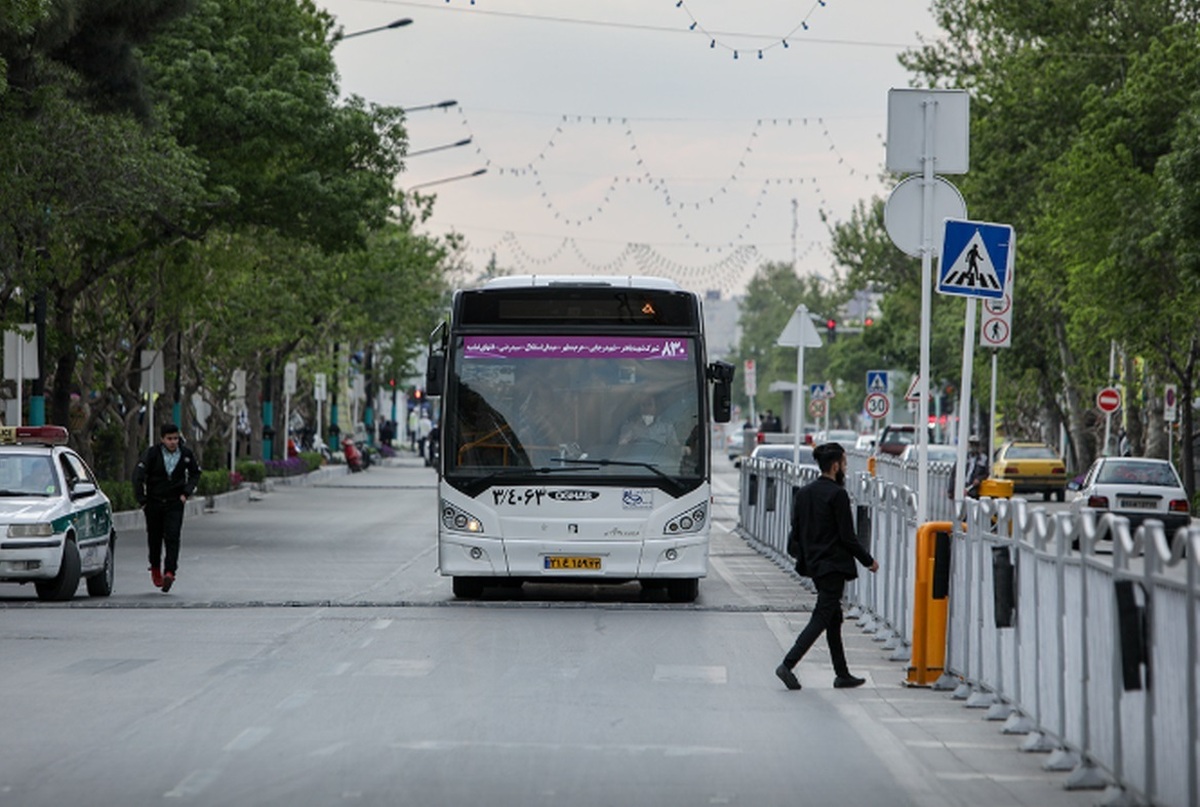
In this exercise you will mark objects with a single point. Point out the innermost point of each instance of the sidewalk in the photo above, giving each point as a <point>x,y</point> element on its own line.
<point>961,757</point>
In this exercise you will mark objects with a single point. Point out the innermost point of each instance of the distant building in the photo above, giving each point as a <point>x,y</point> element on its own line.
<point>721,325</point>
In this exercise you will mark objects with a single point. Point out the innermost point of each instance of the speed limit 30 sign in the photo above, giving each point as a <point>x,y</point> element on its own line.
<point>877,405</point>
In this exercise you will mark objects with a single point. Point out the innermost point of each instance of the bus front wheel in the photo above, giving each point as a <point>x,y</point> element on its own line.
<point>683,590</point>
<point>468,588</point>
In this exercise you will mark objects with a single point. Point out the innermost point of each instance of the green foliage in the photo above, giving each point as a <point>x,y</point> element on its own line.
<point>312,459</point>
<point>120,494</point>
<point>252,470</point>
<point>1083,137</point>
<point>213,483</point>
<point>251,87</point>
<point>108,446</point>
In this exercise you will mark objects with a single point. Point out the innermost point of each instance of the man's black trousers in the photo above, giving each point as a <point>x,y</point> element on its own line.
<point>164,523</point>
<point>826,618</point>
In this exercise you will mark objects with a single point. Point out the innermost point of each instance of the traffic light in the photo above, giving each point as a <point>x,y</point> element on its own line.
<point>391,383</point>
<point>831,328</point>
<point>868,322</point>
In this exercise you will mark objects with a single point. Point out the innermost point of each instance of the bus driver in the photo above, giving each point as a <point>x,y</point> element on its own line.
<point>647,427</point>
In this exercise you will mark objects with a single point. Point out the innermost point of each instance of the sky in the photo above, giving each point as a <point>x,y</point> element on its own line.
<point>639,136</point>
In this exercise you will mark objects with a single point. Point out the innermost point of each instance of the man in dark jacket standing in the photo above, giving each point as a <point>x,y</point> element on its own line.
<point>825,547</point>
<point>163,480</point>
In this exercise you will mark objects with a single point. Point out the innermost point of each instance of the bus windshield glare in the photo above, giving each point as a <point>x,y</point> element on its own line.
<point>599,405</point>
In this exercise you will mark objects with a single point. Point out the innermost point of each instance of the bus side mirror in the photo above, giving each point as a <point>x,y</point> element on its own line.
<point>435,371</point>
<point>435,365</point>
<point>721,374</point>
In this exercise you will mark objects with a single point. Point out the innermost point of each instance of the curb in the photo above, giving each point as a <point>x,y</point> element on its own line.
<point>135,520</point>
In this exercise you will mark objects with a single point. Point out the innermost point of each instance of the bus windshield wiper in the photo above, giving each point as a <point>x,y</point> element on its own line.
<point>475,486</point>
<point>672,481</point>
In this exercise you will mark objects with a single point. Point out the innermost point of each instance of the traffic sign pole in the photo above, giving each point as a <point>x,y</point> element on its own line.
<point>964,402</point>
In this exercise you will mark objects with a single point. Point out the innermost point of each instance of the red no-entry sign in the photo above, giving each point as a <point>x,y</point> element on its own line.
<point>1109,400</point>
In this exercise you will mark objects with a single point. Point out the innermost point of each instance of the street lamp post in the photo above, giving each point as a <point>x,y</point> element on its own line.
<point>394,24</point>
<point>438,105</point>
<point>419,152</point>
<point>474,173</point>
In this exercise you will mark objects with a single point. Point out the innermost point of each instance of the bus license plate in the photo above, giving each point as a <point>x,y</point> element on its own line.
<point>571,562</point>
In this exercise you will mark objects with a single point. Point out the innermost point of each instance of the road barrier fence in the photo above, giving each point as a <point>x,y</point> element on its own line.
<point>1092,657</point>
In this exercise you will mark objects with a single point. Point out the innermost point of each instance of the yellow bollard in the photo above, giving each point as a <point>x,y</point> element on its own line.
<point>931,600</point>
<point>996,488</point>
<point>871,465</point>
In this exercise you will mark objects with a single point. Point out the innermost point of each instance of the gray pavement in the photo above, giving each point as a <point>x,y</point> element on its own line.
<point>941,751</point>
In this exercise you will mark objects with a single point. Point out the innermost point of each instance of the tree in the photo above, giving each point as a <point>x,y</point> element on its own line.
<point>250,87</point>
<point>771,298</point>
<point>1037,74</point>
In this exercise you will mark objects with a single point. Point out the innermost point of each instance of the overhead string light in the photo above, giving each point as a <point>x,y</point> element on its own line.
<point>728,273</point>
<point>714,37</point>
<point>683,209</point>
<point>644,175</point>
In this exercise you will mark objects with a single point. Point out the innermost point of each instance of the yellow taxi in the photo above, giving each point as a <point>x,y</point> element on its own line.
<point>56,524</point>
<point>1032,468</point>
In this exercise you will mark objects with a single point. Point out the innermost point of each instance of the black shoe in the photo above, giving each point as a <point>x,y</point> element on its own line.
<point>848,682</point>
<point>168,581</point>
<point>787,677</point>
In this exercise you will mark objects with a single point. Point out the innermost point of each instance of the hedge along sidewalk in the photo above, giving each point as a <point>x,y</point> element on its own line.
<point>135,520</point>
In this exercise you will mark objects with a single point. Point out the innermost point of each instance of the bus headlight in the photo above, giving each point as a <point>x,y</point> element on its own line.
<point>693,520</point>
<point>459,520</point>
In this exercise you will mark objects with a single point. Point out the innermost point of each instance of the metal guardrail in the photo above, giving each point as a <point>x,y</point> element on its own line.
<point>1094,658</point>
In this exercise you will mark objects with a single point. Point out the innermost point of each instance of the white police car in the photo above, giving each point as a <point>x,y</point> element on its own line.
<point>55,523</point>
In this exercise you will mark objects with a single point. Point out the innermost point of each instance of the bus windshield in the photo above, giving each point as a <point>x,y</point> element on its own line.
<point>596,405</point>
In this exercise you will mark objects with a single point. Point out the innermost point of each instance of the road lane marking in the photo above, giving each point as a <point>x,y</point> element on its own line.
<point>637,750</point>
<point>296,699</point>
<point>953,746</point>
<point>339,669</point>
<point>690,673</point>
<point>193,784</point>
<point>330,750</point>
<point>381,624</point>
<point>248,738</point>
<point>397,667</point>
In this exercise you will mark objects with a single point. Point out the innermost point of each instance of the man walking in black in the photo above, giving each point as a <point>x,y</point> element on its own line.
<point>163,480</point>
<point>825,547</point>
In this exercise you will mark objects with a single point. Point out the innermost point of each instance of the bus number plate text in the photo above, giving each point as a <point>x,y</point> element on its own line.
<point>571,562</point>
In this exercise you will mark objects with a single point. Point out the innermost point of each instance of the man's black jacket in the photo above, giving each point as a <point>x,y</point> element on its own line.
<point>152,484</point>
<point>822,538</point>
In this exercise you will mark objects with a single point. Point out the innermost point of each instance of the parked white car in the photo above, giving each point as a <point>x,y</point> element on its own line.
<point>1138,488</point>
<point>55,522</point>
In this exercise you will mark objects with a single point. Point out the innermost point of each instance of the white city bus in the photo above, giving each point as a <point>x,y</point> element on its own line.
<point>574,433</point>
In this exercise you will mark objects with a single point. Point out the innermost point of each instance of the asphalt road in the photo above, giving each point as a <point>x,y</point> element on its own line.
<point>310,655</point>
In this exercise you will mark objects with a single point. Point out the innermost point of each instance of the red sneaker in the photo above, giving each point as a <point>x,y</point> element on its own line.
<point>156,577</point>
<point>168,580</point>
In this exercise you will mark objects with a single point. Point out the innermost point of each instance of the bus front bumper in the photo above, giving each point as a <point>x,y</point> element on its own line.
<point>660,558</point>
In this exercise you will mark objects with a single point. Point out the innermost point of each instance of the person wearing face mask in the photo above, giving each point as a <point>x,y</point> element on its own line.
<point>825,546</point>
<point>646,426</point>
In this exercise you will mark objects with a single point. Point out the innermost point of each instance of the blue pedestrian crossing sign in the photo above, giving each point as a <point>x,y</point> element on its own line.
<point>877,381</point>
<point>974,258</point>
